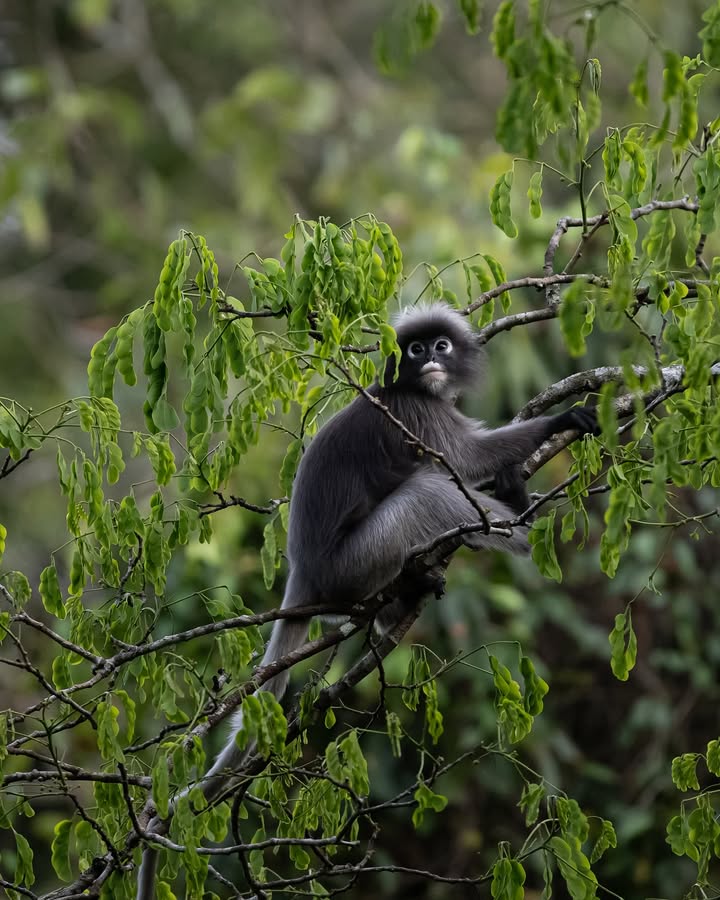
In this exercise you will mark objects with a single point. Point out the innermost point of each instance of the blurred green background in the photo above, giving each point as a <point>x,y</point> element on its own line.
<point>122,121</point>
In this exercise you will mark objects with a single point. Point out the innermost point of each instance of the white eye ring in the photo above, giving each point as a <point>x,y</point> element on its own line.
<point>443,345</point>
<point>416,350</point>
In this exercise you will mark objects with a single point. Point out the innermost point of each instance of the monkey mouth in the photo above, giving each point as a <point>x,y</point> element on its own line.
<point>433,371</point>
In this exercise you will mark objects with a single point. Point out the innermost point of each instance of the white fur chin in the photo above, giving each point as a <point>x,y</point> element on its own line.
<point>435,382</point>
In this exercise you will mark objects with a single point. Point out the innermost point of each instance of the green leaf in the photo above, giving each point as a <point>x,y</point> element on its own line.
<point>164,415</point>
<point>389,345</point>
<point>356,764</point>
<point>503,33</point>
<point>426,799</point>
<point>623,644</point>
<point>574,868</point>
<point>684,772</point>
<point>713,757</point>
<point>607,416</point>
<point>535,687</point>
<point>535,194</point>
<point>573,821</point>
<point>500,211</point>
<point>638,168</point>
<point>269,555</point>
<point>530,800</point>
<point>707,176</point>
<point>161,457</point>
<point>427,22</point>
<point>100,359</point>
<point>108,731</point>
<point>657,243</point>
<point>702,827</point>
<point>130,712</point>
<point>606,839</point>
<point>639,85</point>
<point>710,35</point>
<point>673,76</point>
<point>498,274</point>
<point>61,675</point>
<point>24,866</point>
<point>687,125</point>
<point>124,346</point>
<point>471,13</point>
<point>514,721</point>
<point>60,850</point>
<point>678,838</point>
<point>264,722</point>
<point>542,541</point>
<point>577,314</point>
<point>50,592</point>
<point>615,538</point>
<point>18,586</point>
<point>433,716</point>
<point>87,843</point>
<point>508,880</point>
<point>161,785</point>
<point>594,70</point>
<point>612,157</point>
<point>289,465</point>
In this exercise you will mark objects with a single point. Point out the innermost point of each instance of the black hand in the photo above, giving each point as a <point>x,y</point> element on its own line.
<point>579,418</point>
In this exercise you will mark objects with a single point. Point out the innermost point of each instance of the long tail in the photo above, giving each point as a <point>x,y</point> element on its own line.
<point>287,635</point>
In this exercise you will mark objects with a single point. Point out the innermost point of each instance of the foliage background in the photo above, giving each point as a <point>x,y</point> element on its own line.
<point>122,122</point>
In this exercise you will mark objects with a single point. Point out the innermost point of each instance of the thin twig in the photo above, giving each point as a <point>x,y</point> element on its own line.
<point>226,502</point>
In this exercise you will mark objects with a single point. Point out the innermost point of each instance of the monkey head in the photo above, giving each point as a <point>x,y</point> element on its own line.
<point>440,354</point>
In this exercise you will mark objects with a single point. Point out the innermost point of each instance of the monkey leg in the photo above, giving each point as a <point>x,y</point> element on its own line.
<point>422,509</point>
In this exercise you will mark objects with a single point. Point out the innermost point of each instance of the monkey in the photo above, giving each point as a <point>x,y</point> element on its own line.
<point>365,495</point>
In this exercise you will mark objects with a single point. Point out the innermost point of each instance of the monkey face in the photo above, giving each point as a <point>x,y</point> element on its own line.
<point>428,364</point>
<point>439,352</point>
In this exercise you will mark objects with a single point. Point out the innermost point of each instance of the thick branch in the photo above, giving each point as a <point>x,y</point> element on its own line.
<point>506,323</point>
<point>539,282</point>
<point>590,380</point>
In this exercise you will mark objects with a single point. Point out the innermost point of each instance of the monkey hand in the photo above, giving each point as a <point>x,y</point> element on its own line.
<point>582,419</point>
<point>420,581</point>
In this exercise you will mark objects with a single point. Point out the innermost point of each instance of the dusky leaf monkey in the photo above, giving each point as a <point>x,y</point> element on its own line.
<point>365,497</point>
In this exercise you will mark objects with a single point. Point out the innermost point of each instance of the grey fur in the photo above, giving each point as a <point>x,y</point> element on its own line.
<point>364,496</point>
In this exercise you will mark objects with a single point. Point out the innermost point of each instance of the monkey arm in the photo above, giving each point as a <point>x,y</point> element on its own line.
<point>494,450</point>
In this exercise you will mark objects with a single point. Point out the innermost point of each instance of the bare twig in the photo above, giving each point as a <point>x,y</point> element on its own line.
<point>226,502</point>
<point>567,222</point>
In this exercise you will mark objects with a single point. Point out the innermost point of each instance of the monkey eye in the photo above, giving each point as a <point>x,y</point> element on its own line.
<point>416,349</point>
<point>443,345</point>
